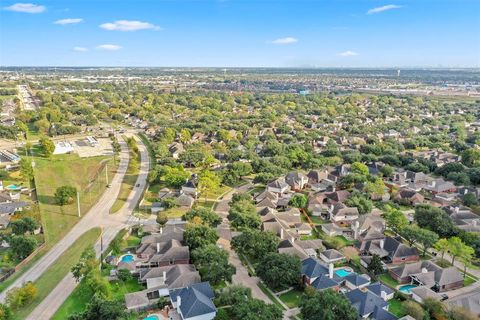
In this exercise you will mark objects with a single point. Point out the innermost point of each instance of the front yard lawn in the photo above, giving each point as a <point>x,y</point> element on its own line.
<point>291,298</point>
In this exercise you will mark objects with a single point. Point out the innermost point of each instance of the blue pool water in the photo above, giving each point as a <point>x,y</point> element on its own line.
<point>342,273</point>
<point>152,317</point>
<point>129,258</point>
<point>406,288</point>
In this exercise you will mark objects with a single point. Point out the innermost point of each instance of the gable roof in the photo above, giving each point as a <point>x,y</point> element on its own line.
<point>365,301</point>
<point>356,279</point>
<point>378,287</point>
<point>312,268</point>
<point>196,299</point>
<point>324,282</point>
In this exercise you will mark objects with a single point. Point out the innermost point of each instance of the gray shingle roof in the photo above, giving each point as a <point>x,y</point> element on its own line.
<point>312,268</point>
<point>196,300</point>
<point>365,301</point>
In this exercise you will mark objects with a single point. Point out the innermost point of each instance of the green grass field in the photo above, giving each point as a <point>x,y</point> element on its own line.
<point>291,298</point>
<point>58,270</point>
<point>395,307</point>
<point>68,169</point>
<point>128,182</point>
<point>388,280</point>
<point>80,297</point>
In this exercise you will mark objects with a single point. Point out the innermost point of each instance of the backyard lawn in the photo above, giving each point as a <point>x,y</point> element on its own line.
<point>68,169</point>
<point>388,280</point>
<point>395,307</point>
<point>291,298</point>
<point>58,270</point>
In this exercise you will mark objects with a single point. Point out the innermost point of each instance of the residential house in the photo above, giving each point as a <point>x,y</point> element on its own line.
<point>381,290</point>
<point>469,301</point>
<point>355,281</point>
<point>419,294</point>
<point>185,200</point>
<point>369,305</point>
<point>176,149</point>
<point>191,186</point>
<point>390,249</point>
<point>161,254</point>
<point>296,180</point>
<point>440,186</point>
<point>464,218</point>
<point>278,186</point>
<point>169,277</point>
<point>408,197</point>
<point>194,302</point>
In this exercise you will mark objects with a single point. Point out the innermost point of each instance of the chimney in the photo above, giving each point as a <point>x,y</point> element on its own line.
<point>330,270</point>
<point>158,247</point>
<point>424,270</point>
<point>292,239</point>
<point>179,302</point>
<point>161,230</point>
<point>382,243</point>
<point>281,233</point>
<point>383,295</point>
<point>164,276</point>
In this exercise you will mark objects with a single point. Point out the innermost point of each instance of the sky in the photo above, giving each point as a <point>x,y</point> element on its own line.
<point>241,33</point>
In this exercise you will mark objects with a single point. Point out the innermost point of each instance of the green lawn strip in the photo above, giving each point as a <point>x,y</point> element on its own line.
<point>128,182</point>
<point>270,295</point>
<point>388,280</point>
<point>58,270</point>
<point>67,169</point>
<point>22,270</point>
<point>468,281</point>
<point>291,298</point>
<point>147,143</point>
<point>395,307</point>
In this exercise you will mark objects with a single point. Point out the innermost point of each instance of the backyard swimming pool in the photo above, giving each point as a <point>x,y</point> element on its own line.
<point>406,288</point>
<point>342,272</point>
<point>127,258</point>
<point>152,317</point>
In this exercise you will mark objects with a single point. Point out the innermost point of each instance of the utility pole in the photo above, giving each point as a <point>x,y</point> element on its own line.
<point>101,250</point>
<point>78,204</point>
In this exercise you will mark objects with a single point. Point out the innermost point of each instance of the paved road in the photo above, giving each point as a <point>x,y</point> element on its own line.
<point>241,275</point>
<point>110,223</point>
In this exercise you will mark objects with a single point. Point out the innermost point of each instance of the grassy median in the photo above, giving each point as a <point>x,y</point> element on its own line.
<point>129,179</point>
<point>58,270</point>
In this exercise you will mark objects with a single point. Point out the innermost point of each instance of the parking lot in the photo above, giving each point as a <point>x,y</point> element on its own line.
<point>85,149</point>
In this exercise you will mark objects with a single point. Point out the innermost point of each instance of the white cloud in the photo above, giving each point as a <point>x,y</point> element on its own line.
<point>80,49</point>
<point>128,25</point>
<point>109,47</point>
<point>348,53</point>
<point>286,40</point>
<point>68,21</point>
<point>26,7</point>
<point>383,8</point>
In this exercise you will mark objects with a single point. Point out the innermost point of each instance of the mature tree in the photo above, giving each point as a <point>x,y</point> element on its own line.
<point>375,187</point>
<point>413,309</point>
<point>199,235</point>
<point>466,256</point>
<point>85,264</point>
<point>434,219</point>
<point>363,204</point>
<point>208,181</point>
<point>279,271</point>
<point>326,305</point>
<point>254,309</point>
<point>386,171</point>
<point>455,247</point>
<point>395,219</point>
<point>427,239</point>
<point>470,200</point>
<point>375,266</point>
<point>235,171</point>
<point>350,253</point>
<point>471,157</point>
<point>243,214</point>
<point>185,135</point>
<point>212,262</point>
<point>255,244</point>
<point>208,216</point>
<point>48,147</point>
<point>299,200</point>
<point>410,233</point>
<point>5,312</point>
<point>162,218</point>
<point>65,194</point>
<point>174,177</point>
<point>434,308</point>
<point>101,309</point>
<point>26,169</point>
<point>22,246</point>
<point>233,294</point>
<point>24,225</point>
<point>441,246</point>
<point>20,297</point>
<point>359,168</point>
